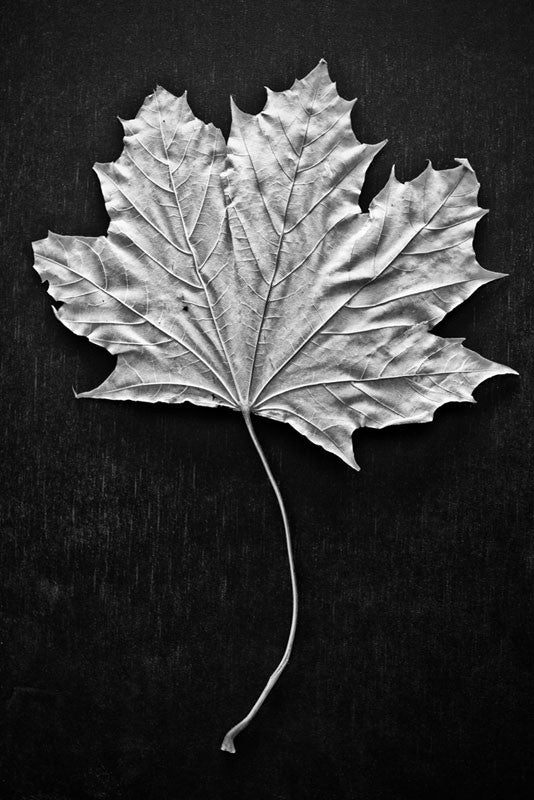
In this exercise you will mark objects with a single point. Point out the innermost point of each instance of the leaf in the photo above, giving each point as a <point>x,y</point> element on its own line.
<point>245,275</point>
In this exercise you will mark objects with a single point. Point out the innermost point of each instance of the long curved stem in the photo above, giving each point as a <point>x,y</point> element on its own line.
<point>228,741</point>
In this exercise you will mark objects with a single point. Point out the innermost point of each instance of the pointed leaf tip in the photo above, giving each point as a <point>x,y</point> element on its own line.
<point>237,113</point>
<point>464,162</point>
<point>319,74</point>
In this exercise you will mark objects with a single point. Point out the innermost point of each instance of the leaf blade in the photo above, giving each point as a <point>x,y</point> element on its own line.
<point>246,275</point>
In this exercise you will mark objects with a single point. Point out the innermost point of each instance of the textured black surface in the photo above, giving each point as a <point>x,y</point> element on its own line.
<point>144,587</point>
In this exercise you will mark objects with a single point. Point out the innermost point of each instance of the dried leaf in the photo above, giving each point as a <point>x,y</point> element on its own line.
<point>245,275</point>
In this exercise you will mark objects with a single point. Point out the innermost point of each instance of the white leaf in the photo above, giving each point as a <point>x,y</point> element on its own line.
<point>246,276</point>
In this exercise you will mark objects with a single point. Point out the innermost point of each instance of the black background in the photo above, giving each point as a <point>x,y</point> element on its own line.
<point>145,595</point>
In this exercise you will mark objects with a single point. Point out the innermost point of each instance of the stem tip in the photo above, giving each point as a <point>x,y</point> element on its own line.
<point>228,744</point>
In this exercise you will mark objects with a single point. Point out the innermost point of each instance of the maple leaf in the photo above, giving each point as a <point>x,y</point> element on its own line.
<point>245,275</point>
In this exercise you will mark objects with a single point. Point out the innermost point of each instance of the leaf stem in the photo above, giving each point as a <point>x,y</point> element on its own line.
<point>228,741</point>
